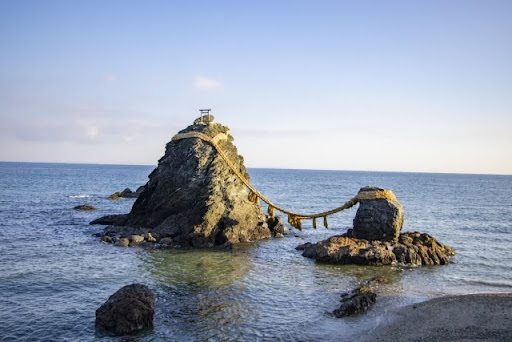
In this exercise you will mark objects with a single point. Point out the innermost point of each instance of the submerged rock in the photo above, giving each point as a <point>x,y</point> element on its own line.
<point>127,311</point>
<point>411,249</point>
<point>194,198</point>
<point>84,207</point>
<point>360,299</point>
<point>356,301</point>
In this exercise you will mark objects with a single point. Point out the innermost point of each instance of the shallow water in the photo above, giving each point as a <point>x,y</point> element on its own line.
<point>55,274</point>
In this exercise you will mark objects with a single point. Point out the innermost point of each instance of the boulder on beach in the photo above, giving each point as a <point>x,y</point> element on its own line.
<point>127,311</point>
<point>195,199</point>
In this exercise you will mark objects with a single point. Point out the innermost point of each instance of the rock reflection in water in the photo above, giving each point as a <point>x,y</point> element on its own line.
<point>199,291</point>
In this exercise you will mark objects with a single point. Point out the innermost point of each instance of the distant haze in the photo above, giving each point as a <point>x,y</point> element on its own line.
<point>349,85</point>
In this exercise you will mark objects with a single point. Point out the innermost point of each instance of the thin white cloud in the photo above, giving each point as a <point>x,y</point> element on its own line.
<point>206,83</point>
<point>110,79</point>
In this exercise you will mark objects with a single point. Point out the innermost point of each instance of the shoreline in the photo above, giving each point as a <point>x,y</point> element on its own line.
<point>484,317</point>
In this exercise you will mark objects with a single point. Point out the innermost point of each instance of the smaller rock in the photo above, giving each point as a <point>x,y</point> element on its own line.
<point>84,207</point>
<point>167,241</point>
<point>137,238</point>
<point>107,239</point>
<point>123,242</point>
<point>279,235</point>
<point>126,193</point>
<point>150,238</point>
<point>114,220</point>
<point>378,219</point>
<point>115,196</point>
<point>276,225</point>
<point>356,301</point>
<point>304,246</point>
<point>127,311</point>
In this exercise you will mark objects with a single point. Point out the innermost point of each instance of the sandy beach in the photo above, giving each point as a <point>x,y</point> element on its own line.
<point>477,317</point>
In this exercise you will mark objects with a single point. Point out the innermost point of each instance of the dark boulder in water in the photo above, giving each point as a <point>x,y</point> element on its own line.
<point>360,299</point>
<point>127,311</point>
<point>378,219</point>
<point>356,301</point>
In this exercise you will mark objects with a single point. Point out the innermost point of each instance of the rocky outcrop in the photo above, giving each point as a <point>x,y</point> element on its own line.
<point>127,193</point>
<point>378,219</point>
<point>376,239</point>
<point>115,220</point>
<point>193,199</point>
<point>411,249</point>
<point>276,226</point>
<point>127,311</point>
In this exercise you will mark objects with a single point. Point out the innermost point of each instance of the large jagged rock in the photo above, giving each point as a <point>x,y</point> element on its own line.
<point>378,219</point>
<point>127,311</point>
<point>411,249</point>
<point>194,199</point>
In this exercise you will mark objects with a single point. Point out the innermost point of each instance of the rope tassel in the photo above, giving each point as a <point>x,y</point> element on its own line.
<point>295,222</point>
<point>270,211</point>
<point>325,222</point>
<point>314,222</point>
<point>253,197</point>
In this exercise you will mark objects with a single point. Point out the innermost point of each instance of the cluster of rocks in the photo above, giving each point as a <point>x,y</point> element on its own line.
<point>127,311</point>
<point>124,236</point>
<point>411,249</point>
<point>127,193</point>
<point>376,240</point>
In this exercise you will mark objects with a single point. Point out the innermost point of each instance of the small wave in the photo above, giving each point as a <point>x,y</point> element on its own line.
<point>80,196</point>
<point>488,283</point>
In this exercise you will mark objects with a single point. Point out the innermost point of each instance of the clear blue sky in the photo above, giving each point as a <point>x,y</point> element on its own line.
<point>348,85</point>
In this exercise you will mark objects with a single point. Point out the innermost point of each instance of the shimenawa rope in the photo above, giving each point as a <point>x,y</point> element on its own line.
<point>294,219</point>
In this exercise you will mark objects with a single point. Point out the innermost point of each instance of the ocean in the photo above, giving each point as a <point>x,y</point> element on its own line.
<point>55,273</point>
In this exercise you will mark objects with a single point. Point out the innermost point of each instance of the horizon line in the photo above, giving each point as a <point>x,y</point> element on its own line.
<point>267,168</point>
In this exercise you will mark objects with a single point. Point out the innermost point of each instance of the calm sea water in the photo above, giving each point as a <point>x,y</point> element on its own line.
<point>55,274</point>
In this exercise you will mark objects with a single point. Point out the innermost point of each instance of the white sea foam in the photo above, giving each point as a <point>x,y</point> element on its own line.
<point>80,196</point>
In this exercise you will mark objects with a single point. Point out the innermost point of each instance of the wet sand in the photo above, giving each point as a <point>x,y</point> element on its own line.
<point>477,317</point>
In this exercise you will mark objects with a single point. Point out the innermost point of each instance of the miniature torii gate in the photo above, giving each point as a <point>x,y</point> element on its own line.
<point>205,116</point>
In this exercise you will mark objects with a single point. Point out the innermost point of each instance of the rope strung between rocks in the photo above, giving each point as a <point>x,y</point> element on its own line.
<point>295,219</point>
